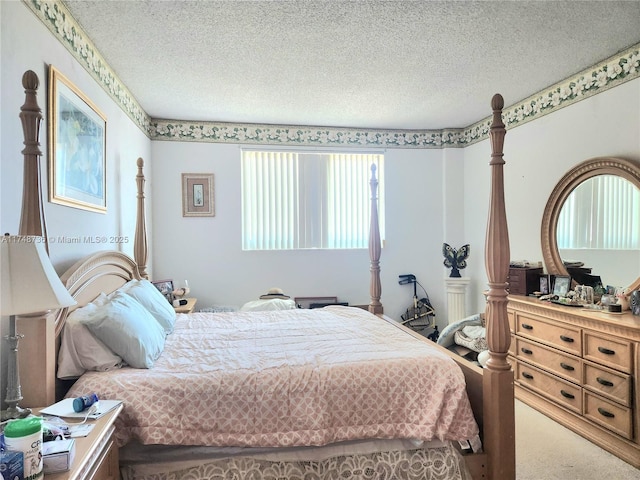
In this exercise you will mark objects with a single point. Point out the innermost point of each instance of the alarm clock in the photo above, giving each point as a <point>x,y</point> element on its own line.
<point>634,302</point>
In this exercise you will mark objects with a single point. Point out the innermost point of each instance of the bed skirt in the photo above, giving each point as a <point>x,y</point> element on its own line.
<point>437,461</point>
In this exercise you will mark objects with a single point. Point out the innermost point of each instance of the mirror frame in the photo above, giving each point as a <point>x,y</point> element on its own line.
<point>620,167</point>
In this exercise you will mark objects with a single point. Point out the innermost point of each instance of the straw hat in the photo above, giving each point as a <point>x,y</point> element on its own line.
<point>274,293</point>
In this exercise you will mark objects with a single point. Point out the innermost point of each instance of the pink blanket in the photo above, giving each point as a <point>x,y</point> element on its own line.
<point>288,378</point>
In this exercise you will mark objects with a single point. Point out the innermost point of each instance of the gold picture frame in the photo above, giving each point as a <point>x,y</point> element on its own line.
<point>198,195</point>
<point>77,147</point>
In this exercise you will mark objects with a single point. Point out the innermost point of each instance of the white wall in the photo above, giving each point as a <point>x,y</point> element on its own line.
<point>125,143</point>
<point>207,252</point>
<point>537,155</point>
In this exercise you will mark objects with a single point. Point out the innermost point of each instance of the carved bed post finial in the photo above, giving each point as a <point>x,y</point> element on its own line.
<point>140,251</point>
<point>497,378</point>
<point>32,221</point>
<point>375,288</point>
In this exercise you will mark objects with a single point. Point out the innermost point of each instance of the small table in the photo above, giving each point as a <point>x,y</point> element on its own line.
<point>188,308</point>
<point>96,455</point>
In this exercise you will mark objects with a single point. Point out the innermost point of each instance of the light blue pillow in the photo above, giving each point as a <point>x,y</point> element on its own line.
<point>157,305</point>
<point>128,329</point>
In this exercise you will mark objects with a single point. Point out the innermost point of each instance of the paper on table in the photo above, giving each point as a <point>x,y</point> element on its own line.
<point>64,408</point>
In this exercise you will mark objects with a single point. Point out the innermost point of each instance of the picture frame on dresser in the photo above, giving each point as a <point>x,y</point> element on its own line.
<point>77,147</point>
<point>561,285</point>
<point>545,284</point>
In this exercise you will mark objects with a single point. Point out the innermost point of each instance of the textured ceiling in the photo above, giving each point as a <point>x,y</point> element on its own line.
<point>366,64</point>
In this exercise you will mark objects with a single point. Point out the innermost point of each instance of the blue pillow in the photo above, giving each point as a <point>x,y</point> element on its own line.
<point>128,329</point>
<point>157,305</point>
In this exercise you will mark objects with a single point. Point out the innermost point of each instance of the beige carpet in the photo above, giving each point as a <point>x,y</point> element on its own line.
<point>545,450</point>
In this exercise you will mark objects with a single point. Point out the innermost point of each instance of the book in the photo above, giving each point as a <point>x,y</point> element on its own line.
<point>64,409</point>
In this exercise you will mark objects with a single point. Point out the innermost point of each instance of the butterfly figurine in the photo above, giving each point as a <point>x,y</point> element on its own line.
<point>454,259</point>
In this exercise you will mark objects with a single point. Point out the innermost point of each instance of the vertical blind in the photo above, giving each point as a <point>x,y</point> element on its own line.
<point>603,212</point>
<point>296,200</point>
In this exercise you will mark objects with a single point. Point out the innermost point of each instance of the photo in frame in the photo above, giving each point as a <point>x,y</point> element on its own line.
<point>561,285</point>
<point>198,195</point>
<point>166,288</point>
<point>77,147</point>
<point>545,284</point>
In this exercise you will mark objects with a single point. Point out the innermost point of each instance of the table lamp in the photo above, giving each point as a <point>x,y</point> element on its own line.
<point>29,285</point>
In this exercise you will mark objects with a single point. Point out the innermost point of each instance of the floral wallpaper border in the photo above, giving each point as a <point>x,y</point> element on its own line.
<point>612,72</point>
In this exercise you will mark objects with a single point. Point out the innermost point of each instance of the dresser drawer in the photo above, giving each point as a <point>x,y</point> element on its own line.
<point>608,414</point>
<point>611,351</point>
<point>565,338</point>
<point>558,390</point>
<point>607,382</point>
<point>562,364</point>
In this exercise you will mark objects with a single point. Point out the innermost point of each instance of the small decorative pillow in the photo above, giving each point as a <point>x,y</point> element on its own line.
<point>80,350</point>
<point>127,328</point>
<point>469,337</point>
<point>268,304</point>
<point>151,299</point>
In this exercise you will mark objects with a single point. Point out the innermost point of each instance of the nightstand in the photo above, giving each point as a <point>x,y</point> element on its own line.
<point>96,455</point>
<point>188,308</point>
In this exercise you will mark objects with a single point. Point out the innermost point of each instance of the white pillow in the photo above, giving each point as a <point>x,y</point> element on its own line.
<point>151,299</point>
<point>128,329</point>
<point>268,304</point>
<point>80,350</point>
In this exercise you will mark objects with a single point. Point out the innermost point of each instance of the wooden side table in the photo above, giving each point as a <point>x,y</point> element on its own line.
<point>96,455</point>
<point>188,308</point>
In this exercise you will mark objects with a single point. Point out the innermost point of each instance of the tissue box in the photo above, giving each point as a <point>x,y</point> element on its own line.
<point>11,465</point>
<point>58,455</point>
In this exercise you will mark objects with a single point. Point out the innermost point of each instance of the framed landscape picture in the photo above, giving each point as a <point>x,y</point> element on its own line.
<point>77,147</point>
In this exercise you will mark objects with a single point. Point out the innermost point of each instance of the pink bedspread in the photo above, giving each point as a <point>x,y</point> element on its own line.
<point>288,378</point>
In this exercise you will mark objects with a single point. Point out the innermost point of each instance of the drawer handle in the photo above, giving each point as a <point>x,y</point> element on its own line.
<point>604,382</point>
<point>527,351</point>
<point>606,351</point>
<point>564,338</point>
<point>605,413</point>
<point>527,375</point>
<point>567,395</point>
<point>527,326</point>
<point>567,367</point>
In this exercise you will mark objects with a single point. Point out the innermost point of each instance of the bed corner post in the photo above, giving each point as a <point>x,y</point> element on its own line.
<point>140,248</point>
<point>499,421</point>
<point>375,287</point>
<point>32,220</point>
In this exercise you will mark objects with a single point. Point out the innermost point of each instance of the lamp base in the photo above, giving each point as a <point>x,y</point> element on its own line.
<point>13,413</point>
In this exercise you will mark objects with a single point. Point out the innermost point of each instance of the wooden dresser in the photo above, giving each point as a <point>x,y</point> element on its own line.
<point>580,367</point>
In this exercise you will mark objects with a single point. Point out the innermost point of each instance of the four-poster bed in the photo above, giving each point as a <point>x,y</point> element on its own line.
<point>489,391</point>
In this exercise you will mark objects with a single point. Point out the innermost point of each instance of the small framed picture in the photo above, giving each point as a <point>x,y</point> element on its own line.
<point>561,285</point>
<point>166,288</point>
<point>545,281</point>
<point>197,195</point>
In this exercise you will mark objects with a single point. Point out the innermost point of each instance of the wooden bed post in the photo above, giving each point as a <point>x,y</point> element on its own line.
<point>498,403</point>
<point>375,287</point>
<point>32,220</point>
<point>140,248</point>
<point>36,354</point>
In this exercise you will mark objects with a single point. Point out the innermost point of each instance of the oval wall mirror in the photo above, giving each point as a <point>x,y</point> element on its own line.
<point>605,257</point>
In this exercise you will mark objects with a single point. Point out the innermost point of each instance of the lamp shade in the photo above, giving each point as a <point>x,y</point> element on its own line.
<point>29,282</point>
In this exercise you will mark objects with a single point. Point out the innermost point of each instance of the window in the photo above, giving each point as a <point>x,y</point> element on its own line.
<point>297,200</point>
<point>602,212</point>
